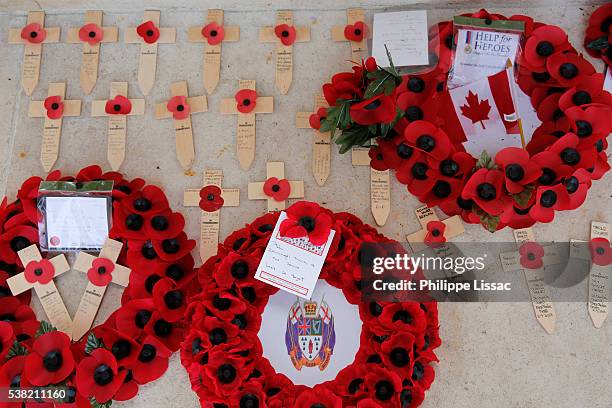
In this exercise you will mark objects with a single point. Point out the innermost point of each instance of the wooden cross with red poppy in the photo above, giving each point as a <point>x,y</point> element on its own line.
<point>213,33</point>
<point>53,109</point>
<point>33,35</point>
<point>91,35</point>
<point>380,185</point>
<point>210,198</point>
<point>284,34</point>
<point>38,275</point>
<point>180,107</point>
<point>356,32</point>
<point>276,189</point>
<point>434,232</point>
<point>117,108</point>
<point>149,35</point>
<point>101,271</point>
<point>321,148</point>
<point>246,104</point>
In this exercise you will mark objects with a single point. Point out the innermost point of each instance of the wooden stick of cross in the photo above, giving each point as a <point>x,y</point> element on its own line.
<point>284,53</point>
<point>359,49</point>
<point>210,220</point>
<point>380,186</point>
<point>432,228</point>
<point>148,47</point>
<point>102,270</point>
<point>275,173</point>
<point>180,107</point>
<point>213,33</point>
<point>117,109</point>
<point>31,36</point>
<point>53,109</point>
<point>39,274</point>
<point>96,34</point>
<point>321,147</point>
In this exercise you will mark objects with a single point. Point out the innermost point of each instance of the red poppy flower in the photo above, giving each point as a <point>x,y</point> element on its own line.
<point>50,360</point>
<point>13,311</point>
<point>435,233</point>
<point>315,119</point>
<point>236,269</point>
<point>601,166</point>
<point>423,374</point>
<point>548,109</point>
<point>599,31</point>
<point>179,107</point>
<point>169,333</point>
<point>428,138</point>
<point>246,100</point>
<point>544,42</point>
<point>442,189</point>
<point>377,109</point>
<point>285,33</point>
<point>151,200</point>
<point>306,219</point>
<point>14,240</point>
<point>516,217</point>
<point>119,105</point>
<point>568,69</point>
<point>169,299</point>
<point>403,317</point>
<point>546,134</point>
<point>531,255</point>
<point>123,346</point>
<point>214,33</point>
<point>393,152</point>
<point>461,207</point>
<point>590,124</point>
<point>12,376</point>
<point>344,85</point>
<point>164,225</point>
<point>421,85</point>
<point>278,190</point>
<point>577,186</point>
<point>486,188</point>
<point>91,33</point>
<point>548,199</point>
<point>377,159</point>
<point>133,316</point>
<point>210,198</point>
<point>263,226</point>
<point>101,272</point>
<point>518,169</point>
<point>370,64</point>
<point>458,164</point>
<point>552,167</point>
<point>152,360</point>
<point>601,253</point>
<point>416,108</point>
<point>54,106</point>
<point>226,372</point>
<point>589,91</point>
<point>355,32</point>
<point>148,32</point>
<point>572,153</point>
<point>39,271</point>
<point>383,385</point>
<point>7,337</point>
<point>98,375</point>
<point>33,33</point>
<point>173,249</point>
<point>416,174</point>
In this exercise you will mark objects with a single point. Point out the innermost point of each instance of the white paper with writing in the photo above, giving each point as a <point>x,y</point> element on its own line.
<point>405,35</point>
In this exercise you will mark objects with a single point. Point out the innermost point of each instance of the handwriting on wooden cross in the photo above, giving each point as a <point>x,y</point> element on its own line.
<point>53,109</point>
<point>92,34</point>
<point>380,188</point>
<point>276,189</point>
<point>117,108</point>
<point>101,271</point>
<point>38,275</point>
<point>180,107</point>
<point>213,33</point>
<point>33,36</point>
<point>433,230</point>
<point>321,147</point>
<point>213,199</point>
<point>152,35</point>
<point>359,49</point>
<point>246,108</point>
<point>284,34</point>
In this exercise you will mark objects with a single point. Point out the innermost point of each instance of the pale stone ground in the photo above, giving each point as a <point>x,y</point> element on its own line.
<point>493,354</point>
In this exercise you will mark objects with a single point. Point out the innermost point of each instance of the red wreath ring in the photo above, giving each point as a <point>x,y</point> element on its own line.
<point>133,345</point>
<point>223,355</point>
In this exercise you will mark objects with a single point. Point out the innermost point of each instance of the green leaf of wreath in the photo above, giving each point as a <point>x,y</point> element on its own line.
<point>522,199</point>
<point>485,161</point>
<point>45,327</point>
<point>93,343</point>
<point>599,44</point>
<point>96,404</point>
<point>17,349</point>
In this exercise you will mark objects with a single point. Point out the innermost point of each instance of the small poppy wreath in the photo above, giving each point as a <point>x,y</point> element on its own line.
<point>133,345</point>
<point>223,354</point>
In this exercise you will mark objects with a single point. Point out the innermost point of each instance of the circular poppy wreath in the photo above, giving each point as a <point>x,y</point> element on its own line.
<point>408,115</point>
<point>133,345</point>
<point>223,354</point>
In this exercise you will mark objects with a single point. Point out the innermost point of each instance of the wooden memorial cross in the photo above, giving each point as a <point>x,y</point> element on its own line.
<point>246,109</point>
<point>321,147</point>
<point>275,173</point>
<point>38,275</point>
<point>359,49</point>
<point>209,220</point>
<point>117,108</point>
<point>149,35</point>
<point>33,36</point>
<point>102,270</point>
<point>53,109</point>
<point>425,215</point>
<point>380,187</point>
<point>213,33</point>
<point>284,34</point>
<point>92,34</point>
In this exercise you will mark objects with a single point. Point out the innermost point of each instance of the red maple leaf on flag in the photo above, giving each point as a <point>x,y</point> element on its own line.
<point>475,110</point>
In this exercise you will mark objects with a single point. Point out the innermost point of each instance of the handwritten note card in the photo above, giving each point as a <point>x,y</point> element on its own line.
<point>405,35</point>
<point>292,264</point>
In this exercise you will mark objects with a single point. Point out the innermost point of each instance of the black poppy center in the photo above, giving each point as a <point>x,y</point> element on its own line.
<point>373,105</point>
<point>101,270</point>
<point>238,243</point>
<point>357,31</point>
<point>354,385</point>
<point>548,198</point>
<point>142,204</point>
<point>52,361</point>
<point>246,102</point>
<point>150,282</point>
<point>600,251</point>
<point>515,172</point>
<point>583,128</point>
<point>570,156</point>
<point>38,271</point>
<point>180,108</point>
<point>249,401</point>
<point>375,309</point>
<point>150,33</point>
<point>240,321</point>
<point>121,349</point>
<point>171,246</point>
<point>133,222</point>
<point>435,232</point>
<point>418,371</point>
<point>426,143</point>
<point>240,269</point>
<point>413,113</point>
<point>540,76</point>
<point>103,375</point>
<point>548,177</point>
<point>54,105</point>
<point>465,204</point>
<point>404,151</point>
<point>92,34</point>
<point>419,171</point>
<point>217,336</point>
<point>572,184</point>
<point>568,70</point>
<point>213,33</point>
<point>449,167</point>
<point>416,85</point>
<point>173,299</point>
<point>159,223</point>
<point>147,250</point>
<point>544,49</point>
<point>521,211</point>
<point>399,357</point>
<point>531,256</point>
<point>384,390</point>
<point>147,353</point>
<point>581,98</point>
<point>248,293</point>
<point>141,318</point>
<point>276,188</point>
<point>18,243</point>
<point>285,33</point>
<point>175,272</point>
<point>308,223</point>
<point>402,316</point>
<point>599,145</point>
<point>116,107</point>
<point>486,191</point>
<point>226,373</point>
<point>442,189</point>
<point>221,303</point>
<point>162,328</point>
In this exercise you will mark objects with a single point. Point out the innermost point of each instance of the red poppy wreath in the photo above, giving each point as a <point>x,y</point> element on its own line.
<point>418,136</point>
<point>133,345</point>
<point>223,354</point>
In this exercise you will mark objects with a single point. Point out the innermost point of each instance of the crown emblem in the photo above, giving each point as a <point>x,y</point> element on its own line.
<point>310,308</point>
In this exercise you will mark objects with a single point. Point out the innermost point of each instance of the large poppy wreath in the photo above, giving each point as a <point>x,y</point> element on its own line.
<point>408,115</point>
<point>223,354</point>
<point>133,345</point>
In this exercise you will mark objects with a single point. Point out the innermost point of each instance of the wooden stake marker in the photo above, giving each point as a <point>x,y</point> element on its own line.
<point>50,298</point>
<point>90,302</point>
<point>359,49</point>
<point>321,147</point>
<point>33,31</point>
<point>425,215</point>
<point>91,49</point>
<point>212,50</point>
<point>52,130</point>
<point>117,123</point>
<point>148,51</point>
<point>245,139</point>
<point>209,221</point>
<point>284,53</point>
<point>276,170</point>
<point>380,186</point>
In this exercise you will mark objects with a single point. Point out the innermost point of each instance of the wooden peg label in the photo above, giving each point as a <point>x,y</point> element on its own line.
<point>424,214</point>
<point>380,195</point>
<point>599,280</point>
<point>117,129</point>
<point>359,50</point>
<point>321,146</point>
